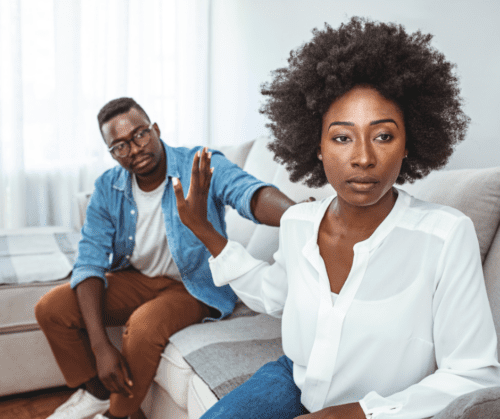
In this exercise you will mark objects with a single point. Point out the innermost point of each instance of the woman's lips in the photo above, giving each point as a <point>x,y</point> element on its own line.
<point>362,183</point>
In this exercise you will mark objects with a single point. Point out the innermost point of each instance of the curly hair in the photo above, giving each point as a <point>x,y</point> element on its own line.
<point>403,68</point>
<point>117,107</point>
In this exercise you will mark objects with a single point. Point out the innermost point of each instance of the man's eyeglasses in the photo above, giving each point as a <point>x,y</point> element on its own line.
<point>140,139</point>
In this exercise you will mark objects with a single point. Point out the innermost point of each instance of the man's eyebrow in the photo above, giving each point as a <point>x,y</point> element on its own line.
<point>351,124</point>
<point>380,121</point>
<point>132,133</point>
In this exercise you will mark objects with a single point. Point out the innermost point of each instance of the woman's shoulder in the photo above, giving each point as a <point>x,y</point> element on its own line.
<point>307,211</point>
<point>430,216</point>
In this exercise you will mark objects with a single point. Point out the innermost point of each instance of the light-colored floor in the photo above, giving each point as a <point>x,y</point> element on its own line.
<point>38,404</point>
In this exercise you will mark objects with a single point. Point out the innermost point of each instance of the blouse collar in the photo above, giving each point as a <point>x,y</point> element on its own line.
<point>372,242</point>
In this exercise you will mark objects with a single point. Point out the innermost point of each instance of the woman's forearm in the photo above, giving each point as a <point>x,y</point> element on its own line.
<point>210,237</point>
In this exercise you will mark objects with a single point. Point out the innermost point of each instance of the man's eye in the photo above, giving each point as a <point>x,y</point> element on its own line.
<point>141,134</point>
<point>341,139</point>
<point>120,146</point>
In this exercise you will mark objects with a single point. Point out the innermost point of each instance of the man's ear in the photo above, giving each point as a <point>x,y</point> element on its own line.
<point>156,128</point>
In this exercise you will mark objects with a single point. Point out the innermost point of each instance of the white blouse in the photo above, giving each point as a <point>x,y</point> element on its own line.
<point>411,328</point>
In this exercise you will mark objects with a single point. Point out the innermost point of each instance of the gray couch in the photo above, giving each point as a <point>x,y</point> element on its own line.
<point>204,362</point>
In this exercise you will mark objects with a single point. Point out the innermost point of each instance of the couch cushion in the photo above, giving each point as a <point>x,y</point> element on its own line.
<point>36,255</point>
<point>173,374</point>
<point>480,404</point>
<point>225,354</point>
<point>491,270</point>
<point>237,154</point>
<point>475,192</point>
<point>259,163</point>
<point>200,397</point>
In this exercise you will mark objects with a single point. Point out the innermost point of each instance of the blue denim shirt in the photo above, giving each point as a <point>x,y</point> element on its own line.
<point>108,234</point>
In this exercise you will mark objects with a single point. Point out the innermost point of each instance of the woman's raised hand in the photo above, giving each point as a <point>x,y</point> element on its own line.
<point>193,209</point>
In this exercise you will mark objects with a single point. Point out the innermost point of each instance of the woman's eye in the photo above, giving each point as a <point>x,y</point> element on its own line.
<point>384,137</point>
<point>341,139</point>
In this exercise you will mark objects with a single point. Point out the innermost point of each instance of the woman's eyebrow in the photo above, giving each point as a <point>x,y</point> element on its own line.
<point>380,121</point>
<point>351,124</point>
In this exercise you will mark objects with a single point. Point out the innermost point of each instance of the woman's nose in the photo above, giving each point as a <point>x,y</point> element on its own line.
<point>363,155</point>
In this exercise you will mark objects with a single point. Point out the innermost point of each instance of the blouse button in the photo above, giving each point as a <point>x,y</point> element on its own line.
<point>130,238</point>
<point>132,212</point>
<point>128,256</point>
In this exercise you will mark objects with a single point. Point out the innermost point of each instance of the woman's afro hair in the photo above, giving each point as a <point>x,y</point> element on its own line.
<point>402,67</point>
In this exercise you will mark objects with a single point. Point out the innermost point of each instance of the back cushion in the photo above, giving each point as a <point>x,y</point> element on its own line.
<point>259,163</point>
<point>475,192</point>
<point>260,240</point>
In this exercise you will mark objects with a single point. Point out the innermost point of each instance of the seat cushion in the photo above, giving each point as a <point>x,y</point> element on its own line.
<point>480,404</point>
<point>173,375</point>
<point>225,354</point>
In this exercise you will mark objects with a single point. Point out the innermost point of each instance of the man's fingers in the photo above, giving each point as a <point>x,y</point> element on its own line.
<point>112,384</point>
<point>127,376</point>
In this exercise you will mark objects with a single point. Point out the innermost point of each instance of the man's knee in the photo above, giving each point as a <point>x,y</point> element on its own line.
<point>53,304</point>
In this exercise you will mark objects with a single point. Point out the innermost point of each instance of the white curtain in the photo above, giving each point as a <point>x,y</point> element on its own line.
<point>61,61</point>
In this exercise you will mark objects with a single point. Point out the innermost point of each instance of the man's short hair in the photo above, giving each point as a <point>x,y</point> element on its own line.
<point>117,107</point>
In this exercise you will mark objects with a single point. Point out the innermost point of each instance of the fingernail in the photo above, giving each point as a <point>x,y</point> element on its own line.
<point>212,169</point>
<point>210,155</point>
<point>175,181</point>
<point>199,153</point>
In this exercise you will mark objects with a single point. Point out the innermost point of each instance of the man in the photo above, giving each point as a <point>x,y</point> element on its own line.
<point>139,266</point>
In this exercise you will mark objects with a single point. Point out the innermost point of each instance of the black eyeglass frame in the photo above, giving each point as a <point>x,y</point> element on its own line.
<point>137,136</point>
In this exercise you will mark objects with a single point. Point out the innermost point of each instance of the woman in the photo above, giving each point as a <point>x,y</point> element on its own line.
<point>384,308</point>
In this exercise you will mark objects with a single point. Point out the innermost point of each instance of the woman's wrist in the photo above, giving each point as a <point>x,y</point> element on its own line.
<point>210,237</point>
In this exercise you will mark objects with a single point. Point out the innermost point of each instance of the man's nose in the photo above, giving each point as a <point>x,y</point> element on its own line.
<point>134,148</point>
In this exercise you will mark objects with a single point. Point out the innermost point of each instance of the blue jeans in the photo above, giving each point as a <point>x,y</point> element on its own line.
<point>269,393</point>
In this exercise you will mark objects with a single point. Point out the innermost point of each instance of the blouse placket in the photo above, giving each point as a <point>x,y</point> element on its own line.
<point>330,320</point>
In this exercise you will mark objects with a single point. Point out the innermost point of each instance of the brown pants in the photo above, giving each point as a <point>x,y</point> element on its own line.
<point>152,309</point>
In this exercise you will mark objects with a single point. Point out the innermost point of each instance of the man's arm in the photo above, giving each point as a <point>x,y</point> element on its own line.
<point>111,366</point>
<point>269,204</point>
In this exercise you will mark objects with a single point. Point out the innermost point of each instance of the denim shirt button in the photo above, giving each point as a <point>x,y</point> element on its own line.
<point>132,212</point>
<point>130,238</point>
<point>128,256</point>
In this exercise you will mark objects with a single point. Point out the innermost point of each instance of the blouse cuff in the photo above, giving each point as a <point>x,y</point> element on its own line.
<point>233,262</point>
<point>376,407</point>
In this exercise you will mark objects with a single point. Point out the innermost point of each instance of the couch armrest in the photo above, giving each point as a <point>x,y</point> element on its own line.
<point>80,203</point>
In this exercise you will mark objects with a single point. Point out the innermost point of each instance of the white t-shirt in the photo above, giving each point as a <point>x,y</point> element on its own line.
<point>151,255</point>
<point>411,328</point>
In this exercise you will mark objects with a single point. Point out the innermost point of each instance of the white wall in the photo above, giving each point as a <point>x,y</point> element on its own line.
<point>250,38</point>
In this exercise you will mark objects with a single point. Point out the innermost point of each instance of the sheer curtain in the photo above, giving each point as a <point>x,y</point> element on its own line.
<point>62,60</point>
